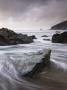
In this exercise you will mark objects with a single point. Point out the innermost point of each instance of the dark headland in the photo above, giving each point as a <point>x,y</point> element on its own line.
<point>60,26</point>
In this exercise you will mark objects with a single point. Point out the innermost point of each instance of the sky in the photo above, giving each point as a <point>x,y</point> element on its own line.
<point>32,14</point>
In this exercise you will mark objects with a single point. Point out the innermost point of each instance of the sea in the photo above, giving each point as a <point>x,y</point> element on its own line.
<point>16,60</point>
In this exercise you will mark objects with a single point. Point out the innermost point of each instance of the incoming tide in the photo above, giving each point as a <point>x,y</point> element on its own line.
<point>19,59</point>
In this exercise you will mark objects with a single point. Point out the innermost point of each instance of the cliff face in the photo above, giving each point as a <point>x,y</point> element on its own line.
<point>60,26</point>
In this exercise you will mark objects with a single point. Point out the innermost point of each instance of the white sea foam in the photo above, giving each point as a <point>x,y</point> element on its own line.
<point>22,58</point>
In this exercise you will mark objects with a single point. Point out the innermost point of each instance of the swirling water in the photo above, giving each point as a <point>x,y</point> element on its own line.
<point>18,59</point>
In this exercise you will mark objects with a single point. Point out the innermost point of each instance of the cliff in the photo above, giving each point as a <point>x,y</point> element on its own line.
<point>60,26</point>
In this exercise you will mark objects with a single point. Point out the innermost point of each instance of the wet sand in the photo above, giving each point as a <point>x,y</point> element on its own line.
<point>51,81</point>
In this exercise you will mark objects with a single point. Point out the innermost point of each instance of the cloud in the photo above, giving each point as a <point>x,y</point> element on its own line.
<point>33,12</point>
<point>18,6</point>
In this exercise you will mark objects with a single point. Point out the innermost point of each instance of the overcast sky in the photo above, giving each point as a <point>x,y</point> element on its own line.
<point>25,14</point>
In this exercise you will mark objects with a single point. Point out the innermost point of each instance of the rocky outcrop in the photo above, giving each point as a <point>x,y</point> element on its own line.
<point>60,26</point>
<point>60,38</point>
<point>9,37</point>
<point>44,36</point>
<point>46,39</point>
<point>33,37</point>
<point>45,62</point>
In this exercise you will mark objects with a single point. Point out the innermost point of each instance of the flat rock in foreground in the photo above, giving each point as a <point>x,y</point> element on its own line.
<point>9,37</point>
<point>38,68</point>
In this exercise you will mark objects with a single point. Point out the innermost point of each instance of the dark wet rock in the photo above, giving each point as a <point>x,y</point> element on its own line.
<point>47,39</point>
<point>60,26</point>
<point>60,38</point>
<point>39,67</point>
<point>44,36</point>
<point>33,37</point>
<point>9,37</point>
